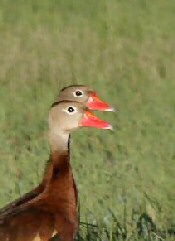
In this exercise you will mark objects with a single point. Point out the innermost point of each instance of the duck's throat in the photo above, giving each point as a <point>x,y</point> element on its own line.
<point>59,141</point>
<point>59,157</point>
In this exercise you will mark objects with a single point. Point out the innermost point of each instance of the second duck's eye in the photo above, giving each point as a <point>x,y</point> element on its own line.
<point>78,93</point>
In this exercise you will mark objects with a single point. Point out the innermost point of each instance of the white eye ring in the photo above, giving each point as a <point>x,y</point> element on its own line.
<point>78,93</point>
<point>71,110</point>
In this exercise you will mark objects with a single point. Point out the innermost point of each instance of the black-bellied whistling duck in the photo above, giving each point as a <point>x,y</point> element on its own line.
<point>53,212</point>
<point>79,93</point>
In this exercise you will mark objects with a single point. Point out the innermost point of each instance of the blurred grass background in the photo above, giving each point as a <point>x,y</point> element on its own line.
<point>126,51</point>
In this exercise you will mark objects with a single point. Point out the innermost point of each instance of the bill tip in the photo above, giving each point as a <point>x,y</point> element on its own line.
<point>109,127</point>
<point>110,109</point>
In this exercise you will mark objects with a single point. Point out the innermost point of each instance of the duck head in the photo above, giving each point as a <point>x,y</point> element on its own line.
<point>86,95</point>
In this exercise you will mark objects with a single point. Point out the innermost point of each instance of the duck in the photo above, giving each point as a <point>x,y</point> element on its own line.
<point>86,95</point>
<point>80,93</point>
<point>53,212</point>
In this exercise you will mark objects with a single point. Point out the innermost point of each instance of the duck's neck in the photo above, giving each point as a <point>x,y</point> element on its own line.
<point>58,180</point>
<point>59,141</point>
<point>59,155</point>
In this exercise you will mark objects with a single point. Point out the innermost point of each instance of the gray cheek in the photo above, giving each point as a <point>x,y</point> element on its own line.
<point>85,98</point>
<point>80,99</point>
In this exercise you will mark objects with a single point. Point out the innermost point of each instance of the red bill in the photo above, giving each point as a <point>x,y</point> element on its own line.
<point>91,120</point>
<point>94,103</point>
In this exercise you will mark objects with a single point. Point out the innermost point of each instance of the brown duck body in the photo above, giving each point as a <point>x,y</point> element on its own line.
<point>9,208</point>
<point>50,212</point>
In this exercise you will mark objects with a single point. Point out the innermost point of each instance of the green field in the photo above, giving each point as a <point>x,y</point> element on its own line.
<point>126,51</point>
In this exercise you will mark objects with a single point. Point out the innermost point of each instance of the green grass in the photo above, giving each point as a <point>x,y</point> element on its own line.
<point>124,50</point>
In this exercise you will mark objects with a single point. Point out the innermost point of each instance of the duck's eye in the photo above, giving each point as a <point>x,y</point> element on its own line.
<point>78,93</point>
<point>71,109</point>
